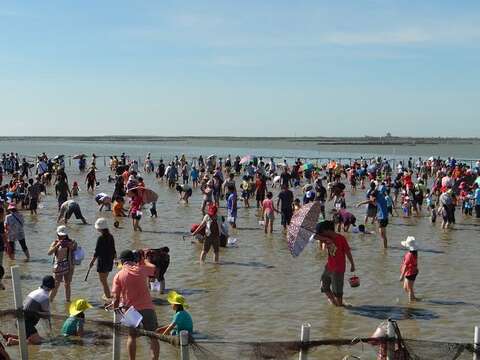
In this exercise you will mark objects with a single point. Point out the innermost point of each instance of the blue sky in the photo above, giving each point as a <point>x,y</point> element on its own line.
<point>243,68</point>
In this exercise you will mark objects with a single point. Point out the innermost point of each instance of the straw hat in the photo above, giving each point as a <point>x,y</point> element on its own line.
<point>410,243</point>
<point>101,224</point>
<point>62,230</point>
<point>175,298</point>
<point>78,306</point>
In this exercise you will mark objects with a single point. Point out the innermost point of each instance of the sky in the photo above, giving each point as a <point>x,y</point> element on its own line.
<point>240,68</point>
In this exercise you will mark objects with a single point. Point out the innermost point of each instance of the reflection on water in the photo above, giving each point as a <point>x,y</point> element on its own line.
<point>392,312</point>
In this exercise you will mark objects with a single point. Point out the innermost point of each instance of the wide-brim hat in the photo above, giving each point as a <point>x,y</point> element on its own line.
<point>101,224</point>
<point>62,230</point>
<point>78,306</point>
<point>175,298</point>
<point>410,243</point>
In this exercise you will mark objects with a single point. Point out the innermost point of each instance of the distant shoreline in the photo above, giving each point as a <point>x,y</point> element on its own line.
<point>366,140</point>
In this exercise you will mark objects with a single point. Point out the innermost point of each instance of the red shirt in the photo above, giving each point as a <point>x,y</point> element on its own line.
<point>409,264</point>
<point>337,251</point>
<point>136,203</point>
<point>131,284</point>
<point>260,185</point>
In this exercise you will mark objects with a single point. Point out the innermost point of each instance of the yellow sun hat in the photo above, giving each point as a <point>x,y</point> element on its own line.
<point>175,298</point>
<point>78,306</point>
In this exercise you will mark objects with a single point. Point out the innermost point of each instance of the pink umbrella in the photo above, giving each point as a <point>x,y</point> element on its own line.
<point>148,196</point>
<point>302,227</point>
<point>246,159</point>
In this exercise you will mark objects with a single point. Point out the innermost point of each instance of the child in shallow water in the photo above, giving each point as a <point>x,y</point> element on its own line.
<point>268,212</point>
<point>409,268</point>
<point>181,320</point>
<point>74,324</point>
<point>75,189</point>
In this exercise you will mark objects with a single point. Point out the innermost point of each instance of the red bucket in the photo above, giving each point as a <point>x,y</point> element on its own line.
<point>354,281</point>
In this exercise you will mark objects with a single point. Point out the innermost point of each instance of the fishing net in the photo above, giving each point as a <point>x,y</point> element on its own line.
<point>206,349</point>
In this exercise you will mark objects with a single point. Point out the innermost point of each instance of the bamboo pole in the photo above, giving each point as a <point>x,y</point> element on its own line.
<point>305,339</point>
<point>184,345</point>
<point>116,337</point>
<point>18,299</point>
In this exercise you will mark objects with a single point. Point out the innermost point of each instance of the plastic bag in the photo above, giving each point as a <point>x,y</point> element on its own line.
<point>78,255</point>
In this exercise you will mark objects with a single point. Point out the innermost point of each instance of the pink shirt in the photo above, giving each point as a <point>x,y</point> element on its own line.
<point>267,205</point>
<point>131,285</point>
<point>136,203</point>
<point>409,263</point>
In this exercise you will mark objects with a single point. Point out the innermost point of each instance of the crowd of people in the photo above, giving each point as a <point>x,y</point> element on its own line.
<point>438,187</point>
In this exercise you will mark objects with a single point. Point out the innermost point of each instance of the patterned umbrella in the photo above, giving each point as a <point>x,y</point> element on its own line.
<point>302,227</point>
<point>246,159</point>
<point>148,196</point>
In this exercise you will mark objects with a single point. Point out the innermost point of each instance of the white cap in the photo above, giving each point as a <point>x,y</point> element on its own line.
<point>101,224</point>
<point>62,230</point>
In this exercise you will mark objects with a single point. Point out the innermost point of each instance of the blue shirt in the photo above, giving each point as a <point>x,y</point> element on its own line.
<point>477,196</point>
<point>382,209</point>
<point>183,321</point>
<point>389,201</point>
<point>194,174</point>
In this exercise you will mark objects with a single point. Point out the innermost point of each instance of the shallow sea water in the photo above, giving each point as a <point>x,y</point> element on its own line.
<point>259,292</point>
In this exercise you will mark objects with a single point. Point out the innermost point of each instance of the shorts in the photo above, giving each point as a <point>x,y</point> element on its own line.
<point>270,216</point>
<point>63,277</point>
<point>135,215</point>
<point>260,196</point>
<point>332,282</point>
<point>31,320</point>
<point>211,242</point>
<point>33,204</point>
<point>149,321</point>
<point>189,192</point>
<point>61,199</point>
<point>286,217</point>
<point>104,266</point>
<point>383,223</point>
<point>371,211</point>
<point>411,277</point>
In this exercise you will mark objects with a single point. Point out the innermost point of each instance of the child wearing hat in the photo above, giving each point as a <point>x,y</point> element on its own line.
<point>409,268</point>
<point>74,324</point>
<point>181,319</point>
